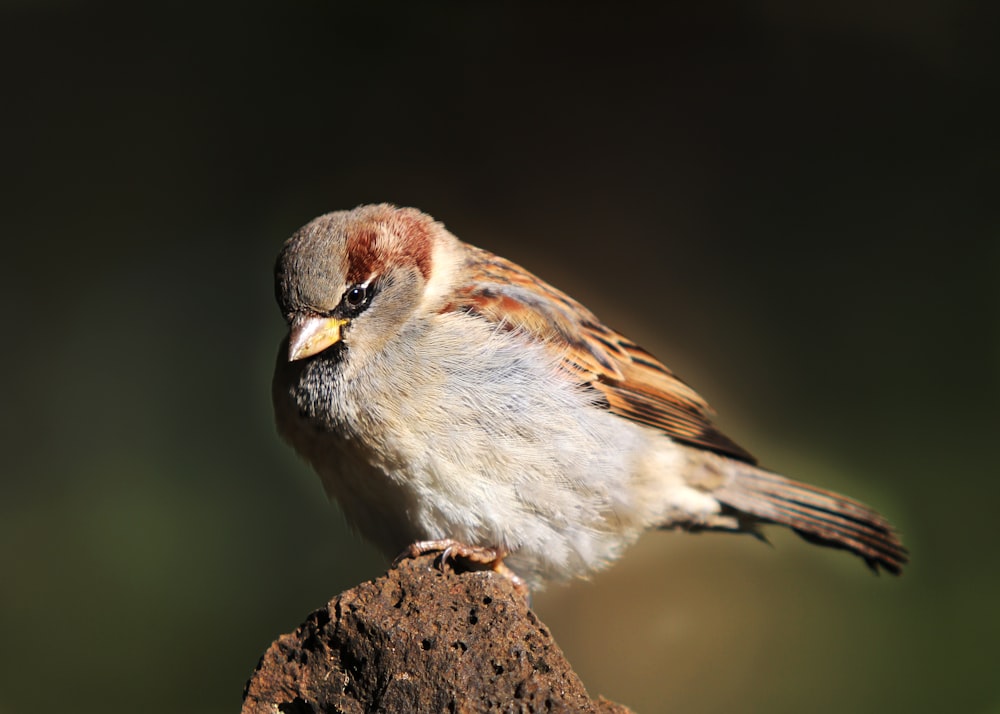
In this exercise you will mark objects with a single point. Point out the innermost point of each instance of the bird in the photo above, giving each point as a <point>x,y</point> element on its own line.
<point>453,402</point>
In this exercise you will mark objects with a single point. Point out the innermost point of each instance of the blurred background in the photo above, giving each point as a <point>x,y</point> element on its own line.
<point>794,207</point>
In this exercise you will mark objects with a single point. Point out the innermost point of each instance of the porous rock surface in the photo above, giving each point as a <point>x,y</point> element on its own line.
<point>420,640</point>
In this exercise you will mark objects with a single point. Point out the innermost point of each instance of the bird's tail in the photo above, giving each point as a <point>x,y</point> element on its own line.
<point>818,516</point>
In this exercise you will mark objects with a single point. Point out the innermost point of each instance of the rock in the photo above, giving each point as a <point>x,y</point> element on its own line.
<point>420,640</point>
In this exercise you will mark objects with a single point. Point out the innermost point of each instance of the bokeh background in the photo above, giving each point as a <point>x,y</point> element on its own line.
<point>794,205</point>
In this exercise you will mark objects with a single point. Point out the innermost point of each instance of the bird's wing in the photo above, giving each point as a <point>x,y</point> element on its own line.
<point>629,380</point>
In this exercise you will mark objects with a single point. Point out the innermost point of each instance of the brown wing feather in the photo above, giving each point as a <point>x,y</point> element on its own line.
<point>631,382</point>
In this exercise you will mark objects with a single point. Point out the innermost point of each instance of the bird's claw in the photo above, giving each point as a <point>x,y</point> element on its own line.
<point>478,557</point>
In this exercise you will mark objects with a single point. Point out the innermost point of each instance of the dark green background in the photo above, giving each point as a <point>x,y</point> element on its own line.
<point>795,208</point>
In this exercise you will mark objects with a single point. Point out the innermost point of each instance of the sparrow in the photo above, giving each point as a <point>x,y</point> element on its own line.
<point>452,401</point>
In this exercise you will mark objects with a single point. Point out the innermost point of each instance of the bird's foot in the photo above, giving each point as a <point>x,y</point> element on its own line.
<point>474,557</point>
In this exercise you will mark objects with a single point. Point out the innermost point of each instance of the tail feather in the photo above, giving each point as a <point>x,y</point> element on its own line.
<point>818,516</point>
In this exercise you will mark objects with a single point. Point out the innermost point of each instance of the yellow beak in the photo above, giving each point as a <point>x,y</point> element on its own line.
<point>312,335</point>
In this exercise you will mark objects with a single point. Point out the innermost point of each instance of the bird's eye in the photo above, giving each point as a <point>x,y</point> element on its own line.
<point>356,296</point>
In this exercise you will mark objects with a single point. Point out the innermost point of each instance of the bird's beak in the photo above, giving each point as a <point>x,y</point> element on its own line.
<point>312,335</point>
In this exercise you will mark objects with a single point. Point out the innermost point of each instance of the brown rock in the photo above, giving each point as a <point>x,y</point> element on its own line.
<point>420,640</point>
